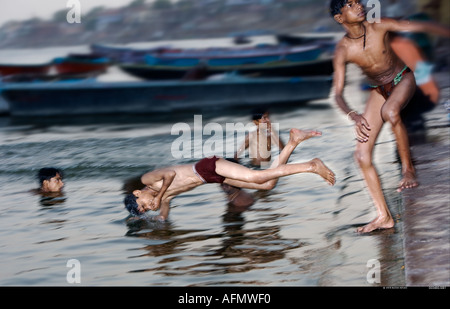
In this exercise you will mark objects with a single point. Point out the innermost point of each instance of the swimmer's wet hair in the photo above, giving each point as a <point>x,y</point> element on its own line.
<point>48,173</point>
<point>131,204</point>
<point>336,6</point>
<point>257,113</point>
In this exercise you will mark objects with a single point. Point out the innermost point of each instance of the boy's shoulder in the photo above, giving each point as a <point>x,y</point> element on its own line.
<point>382,25</point>
<point>341,47</point>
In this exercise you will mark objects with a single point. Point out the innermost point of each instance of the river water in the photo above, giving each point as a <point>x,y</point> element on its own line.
<point>302,233</point>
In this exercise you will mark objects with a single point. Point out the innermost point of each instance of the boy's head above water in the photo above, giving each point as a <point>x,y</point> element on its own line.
<point>140,201</point>
<point>50,179</point>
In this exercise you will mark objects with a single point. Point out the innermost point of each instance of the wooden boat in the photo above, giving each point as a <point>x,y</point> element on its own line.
<point>39,78</point>
<point>295,40</point>
<point>234,56</point>
<point>276,68</point>
<point>78,98</point>
<point>14,69</point>
<point>326,41</point>
<point>74,64</point>
<point>81,64</point>
<point>123,54</point>
<point>214,56</point>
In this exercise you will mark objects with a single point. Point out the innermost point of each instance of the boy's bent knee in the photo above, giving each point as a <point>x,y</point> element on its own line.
<point>391,115</point>
<point>362,158</point>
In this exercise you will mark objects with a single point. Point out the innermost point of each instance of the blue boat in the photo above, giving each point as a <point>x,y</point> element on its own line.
<point>88,98</point>
<point>214,57</point>
<point>281,68</point>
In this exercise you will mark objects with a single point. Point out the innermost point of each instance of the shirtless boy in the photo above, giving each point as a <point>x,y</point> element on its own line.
<point>260,141</point>
<point>367,45</point>
<point>161,185</point>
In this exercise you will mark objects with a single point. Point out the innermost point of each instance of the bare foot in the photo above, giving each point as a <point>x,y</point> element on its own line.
<point>297,136</point>
<point>377,223</point>
<point>409,181</point>
<point>318,167</point>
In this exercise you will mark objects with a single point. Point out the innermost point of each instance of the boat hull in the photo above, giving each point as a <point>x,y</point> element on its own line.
<point>235,57</point>
<point>80,65</point>
<point>15,69</point>
<point>148,97</point>
<point>280,69</point>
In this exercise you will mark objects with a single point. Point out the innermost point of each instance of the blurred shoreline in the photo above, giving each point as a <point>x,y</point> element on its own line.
<point>141,21</point>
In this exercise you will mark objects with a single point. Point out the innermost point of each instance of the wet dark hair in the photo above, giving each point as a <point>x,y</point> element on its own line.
<point>336,6</point>
<point>257,113</point>
<point>131,204</point>
<point>48,173</point>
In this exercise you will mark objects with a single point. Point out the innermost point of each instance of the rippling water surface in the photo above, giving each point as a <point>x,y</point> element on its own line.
<point>300,233</point>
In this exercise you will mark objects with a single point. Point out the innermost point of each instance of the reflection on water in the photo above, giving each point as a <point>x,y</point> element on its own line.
<point>233,250</point>
<point>300,233</point>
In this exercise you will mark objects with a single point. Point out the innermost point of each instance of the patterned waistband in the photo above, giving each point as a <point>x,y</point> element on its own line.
<point>397,78</point>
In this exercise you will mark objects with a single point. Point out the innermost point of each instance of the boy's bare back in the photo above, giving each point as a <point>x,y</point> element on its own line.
<point>184,179</point>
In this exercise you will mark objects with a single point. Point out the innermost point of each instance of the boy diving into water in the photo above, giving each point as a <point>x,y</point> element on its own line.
<point>161,185</point>
<point>393,84</point>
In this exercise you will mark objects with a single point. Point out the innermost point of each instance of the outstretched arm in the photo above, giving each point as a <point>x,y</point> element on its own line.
<point>165,176</point>
<point>415,26</point>
<point>362,127</point>
<point>164,210</point>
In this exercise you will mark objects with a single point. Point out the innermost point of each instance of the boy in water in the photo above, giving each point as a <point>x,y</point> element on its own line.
<point>260,141</point>
<point>50,180</point>
<point>367,45</point>
<point>164,184</point>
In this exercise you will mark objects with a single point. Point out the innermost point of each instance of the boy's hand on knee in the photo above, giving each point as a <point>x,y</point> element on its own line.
<point>362,128</point>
